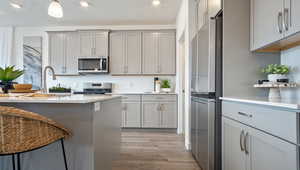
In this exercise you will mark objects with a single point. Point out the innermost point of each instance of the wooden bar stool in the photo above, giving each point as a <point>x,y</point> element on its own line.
<point>22,131</point>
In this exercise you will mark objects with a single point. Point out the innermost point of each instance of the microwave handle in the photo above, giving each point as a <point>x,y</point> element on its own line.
<point>101,64</point>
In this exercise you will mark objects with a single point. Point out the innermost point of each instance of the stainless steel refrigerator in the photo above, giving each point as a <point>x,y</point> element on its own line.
<point>205,92</point>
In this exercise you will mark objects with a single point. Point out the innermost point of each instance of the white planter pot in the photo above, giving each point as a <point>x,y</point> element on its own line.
<point>166,90</point>
<point>275,77</point>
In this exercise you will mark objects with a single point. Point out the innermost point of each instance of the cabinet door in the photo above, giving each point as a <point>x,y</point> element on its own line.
<point>57,52</point>
<point>100,44</point>
<point>166,53</point>
<point>133,53</point>
<point>151,115</point>
<point>86,44</point>
<point>150,50</point>
<point>214,6</point>
<point>133,115</point>
<point>233,156</point>
<point>169,115</point>
<point>267,17</point>
<point>72,50</point>
<point>117,53</point>
<point>292,15</point>
<point>270,153</point>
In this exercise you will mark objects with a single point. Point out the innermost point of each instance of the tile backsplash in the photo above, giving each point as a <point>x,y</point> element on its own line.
<point>291,58</point>
<point>120,83</point>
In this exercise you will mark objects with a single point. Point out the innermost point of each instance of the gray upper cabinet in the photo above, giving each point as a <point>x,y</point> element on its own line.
<point>133,52</point>
<point>125,52</point>
<point>117,51</point>
<point>150,53</point>
<point>166,53</point>
<point>292,14</point>
<point>267,19</point>
<point>93,43</point>
<point>273,20</point>
<point>101,43</point>
<point>57,52</point>
<point>159,53</point>
<point>72,50</point>
<point>63,51</point>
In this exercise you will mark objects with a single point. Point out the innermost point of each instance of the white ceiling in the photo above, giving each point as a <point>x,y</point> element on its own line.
<point>101,12</point>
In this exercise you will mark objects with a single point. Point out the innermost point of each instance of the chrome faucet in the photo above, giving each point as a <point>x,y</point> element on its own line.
<point>45,90</point>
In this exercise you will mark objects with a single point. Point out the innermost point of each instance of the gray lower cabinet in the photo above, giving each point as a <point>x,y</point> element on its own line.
<point>63,50</point>
<point>247,147</point>
<point>159,114</point>
<point>151,115</point>
<point>149,111</point>
<point>234,157</point>
<point>131,115</point>
<point>125,52</point>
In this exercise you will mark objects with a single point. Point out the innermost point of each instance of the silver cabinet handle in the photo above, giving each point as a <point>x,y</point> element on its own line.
<point>279,22</point>
<point>158,107</point>
<point>246,143</point>
<point>245,114</point>
<point>286,19</point>
<point>242,135</point>
<point>162,107</point>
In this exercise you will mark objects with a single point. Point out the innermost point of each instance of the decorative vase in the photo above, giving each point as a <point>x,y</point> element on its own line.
<point>275,77</point>
<point>6,86</point>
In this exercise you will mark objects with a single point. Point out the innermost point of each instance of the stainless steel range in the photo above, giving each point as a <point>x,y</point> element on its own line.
<point>96,88</point>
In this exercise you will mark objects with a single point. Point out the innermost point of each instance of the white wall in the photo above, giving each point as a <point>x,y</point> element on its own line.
<point>185,30</point>
<point>122,84</point>
<point>291,58</point>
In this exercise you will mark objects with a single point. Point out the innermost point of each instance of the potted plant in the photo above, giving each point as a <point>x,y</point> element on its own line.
<point>276,71</point>
<point>7,75</point>
<point>166,86</point>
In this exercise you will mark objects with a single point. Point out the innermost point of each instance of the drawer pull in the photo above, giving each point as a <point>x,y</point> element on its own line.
<point>246,143</point>
<point>245,114</point>
<point>242,135</point>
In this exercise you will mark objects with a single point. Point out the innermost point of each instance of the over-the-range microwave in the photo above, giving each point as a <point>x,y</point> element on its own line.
<point>93,65</point>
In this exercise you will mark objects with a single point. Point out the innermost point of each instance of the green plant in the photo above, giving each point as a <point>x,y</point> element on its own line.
<point>276,69</point>
<point>9,73</point>
<point>59,89</point>
<point>165,84</point>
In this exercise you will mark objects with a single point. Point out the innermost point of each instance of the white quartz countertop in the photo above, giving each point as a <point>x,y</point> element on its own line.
<point>142,93</point>
<point>284,103</point>
<point>76,98</point>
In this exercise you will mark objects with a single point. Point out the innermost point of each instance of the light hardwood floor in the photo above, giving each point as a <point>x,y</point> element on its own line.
<point>154,151</point>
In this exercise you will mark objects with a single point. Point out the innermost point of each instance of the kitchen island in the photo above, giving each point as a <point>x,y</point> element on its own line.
<point>95,124</point>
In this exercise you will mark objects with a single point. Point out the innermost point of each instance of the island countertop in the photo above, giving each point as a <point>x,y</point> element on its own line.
<point>69,99</point>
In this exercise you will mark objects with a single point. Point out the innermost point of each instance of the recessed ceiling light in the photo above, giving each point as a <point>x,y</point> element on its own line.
<point>55,9</point>
<point>156,2</point>
<point>15,5</point>
<point>84,4</point>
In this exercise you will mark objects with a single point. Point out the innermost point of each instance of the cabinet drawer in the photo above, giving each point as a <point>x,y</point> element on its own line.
<point>274,121</point>
<point>159,97</point>
<point>131,97</point>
